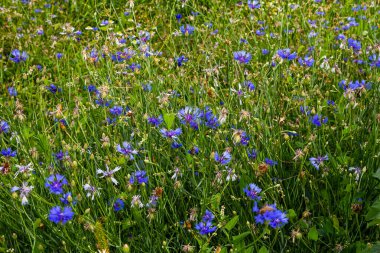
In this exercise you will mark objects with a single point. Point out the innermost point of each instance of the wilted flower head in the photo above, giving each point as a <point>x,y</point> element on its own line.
<point>24,192</point>
<point>108,173</point>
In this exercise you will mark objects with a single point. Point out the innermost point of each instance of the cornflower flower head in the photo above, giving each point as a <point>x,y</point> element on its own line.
<point>53,88</point>
<point>253,191</point>
<point>24,190</point>
<point>307,61</point>
<point>55,183</point>
<point>171,134</point>
<point>271,215</point>
<point>286,54</point>
<point>12,91</point>
<point>249,85</point>
<point>61,214</point>
<point>91,191</point>
<point>8,152</point>
<point>118,205</point>
<point>180,60</point>
<point>155,121</point>
<point>127,150</point>
<point>210,120</point>
<point>254,4</point>
<point>24,169</point>
<point>193,151</point>
<point>354,44</point>
<point>223,159</point>
<point>116,110</point>
<point>240,137</point>
<point>270,162</point>
<point>4,127</point>
<point>108,173</point>
<point>317,161</point>
<point>205,226</point>
<point>191,116</point>
<point>138,177</point>
<point>252,154</point>
<point>242,57</point>
<point>67,198</point>
<point>374,60</point>
<point>17,56</point>
<point>187,29</point>
<point>318,120</point>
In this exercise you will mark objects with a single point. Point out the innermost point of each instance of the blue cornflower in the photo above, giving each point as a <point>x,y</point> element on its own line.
<point>193,151</point>
<point>265,51</point>
<point>55,183</point>
<point>155,121</point>
<point>127,150</point>
<point>191,116</point>
<point>17,56</point>
<point>254,4</point>
<point>249,85</point>
<point>208,216</point>
<point>187,29</point>
<point>139,177</point>
<point>12,91</point>
<point>53,88</point>
<point>252,154</point>
<point>210,120</point>
<point>171,134</point>
<point>180,60</point>
<point>4,127</point>
<point>59,55</point>
<point>118,205</point>
<point>67,198</point>
<point>224,159</point>
<point>355,44</point>
<point>252,191</point>
<point>316,161</point>
<point>270,162</point>
<point>317,120</point>
<point>92,88</point>
<point>242,57</point>
<point>286,54</point>
<point>116,110</point>
<point>61,215</point>
<point>308,61</point>
<point>205,227</point>
<point>7,152</point>
<point>178,17</point>
<point>340,37</point>
<point>175,145</point>
<point>60,155</point>
<point>374,60</point>
<point>269,213</point>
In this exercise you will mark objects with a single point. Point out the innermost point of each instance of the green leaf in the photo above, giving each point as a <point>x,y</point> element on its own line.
<point>313,234</point>
<point>263,249</point>
<point>215,201</point>
<point>377,174</point>
<point>291,214</point>
<point>231,224</point>
<point>169,119</point>
<point>335,222</point>
<point>240,237</point>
